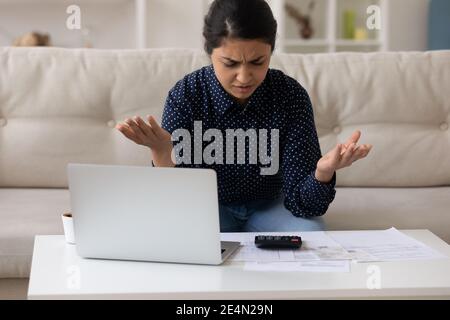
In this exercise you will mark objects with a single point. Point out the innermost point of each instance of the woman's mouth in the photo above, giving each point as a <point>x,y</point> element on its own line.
<point>243,89</point>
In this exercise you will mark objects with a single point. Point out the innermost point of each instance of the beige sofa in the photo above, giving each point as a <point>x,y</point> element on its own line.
<point>59,106</point>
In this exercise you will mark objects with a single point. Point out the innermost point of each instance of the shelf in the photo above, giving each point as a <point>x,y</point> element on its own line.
<point>306,42</point>
<point>327,22</point>
<point>324,43</point>
<point>348,42</point>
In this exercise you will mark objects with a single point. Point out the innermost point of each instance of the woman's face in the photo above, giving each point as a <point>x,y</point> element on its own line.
<point>241,66</point>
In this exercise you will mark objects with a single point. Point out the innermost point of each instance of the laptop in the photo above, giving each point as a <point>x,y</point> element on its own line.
<point>147,214</point>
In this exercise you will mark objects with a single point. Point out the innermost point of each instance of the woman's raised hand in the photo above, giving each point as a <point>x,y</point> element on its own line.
<point>149,134</point>
<point>343,155</point>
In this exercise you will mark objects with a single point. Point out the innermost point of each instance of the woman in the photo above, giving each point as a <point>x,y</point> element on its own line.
<point>239,91</point>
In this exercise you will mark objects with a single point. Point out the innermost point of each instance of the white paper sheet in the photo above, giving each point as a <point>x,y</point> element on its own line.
<point>303,266</point>
<point>315,246</point>
<point>384,245</point>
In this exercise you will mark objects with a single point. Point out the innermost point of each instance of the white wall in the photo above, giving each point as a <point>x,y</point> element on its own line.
<point>175,23</point>
<point>112,24</point>
<point>408,24</point>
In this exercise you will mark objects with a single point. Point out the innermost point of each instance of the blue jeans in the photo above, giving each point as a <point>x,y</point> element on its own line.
<point>264,216</point>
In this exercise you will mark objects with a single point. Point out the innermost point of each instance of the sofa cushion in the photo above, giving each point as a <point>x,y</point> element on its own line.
<point>25,213</point>
<point>380,208</point>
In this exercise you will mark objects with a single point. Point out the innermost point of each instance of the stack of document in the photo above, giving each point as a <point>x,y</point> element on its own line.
<point>323,252</point>
<point>385,245</point>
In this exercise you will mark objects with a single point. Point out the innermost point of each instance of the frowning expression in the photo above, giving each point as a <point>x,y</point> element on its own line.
<point>241,66</point>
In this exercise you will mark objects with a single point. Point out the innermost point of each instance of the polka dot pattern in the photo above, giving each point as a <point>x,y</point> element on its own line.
<point>280,102</point>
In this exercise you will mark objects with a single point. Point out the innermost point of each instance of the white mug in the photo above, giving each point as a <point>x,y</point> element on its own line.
<point>68,227</point>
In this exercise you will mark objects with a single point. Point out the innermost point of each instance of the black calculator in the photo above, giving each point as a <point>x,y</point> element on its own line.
<point>278,242</point>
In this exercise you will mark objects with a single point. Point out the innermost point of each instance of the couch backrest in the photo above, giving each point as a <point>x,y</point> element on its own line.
<point>61,105</point>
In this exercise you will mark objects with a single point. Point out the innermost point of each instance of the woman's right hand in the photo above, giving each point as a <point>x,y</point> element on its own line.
<point>150,135</point>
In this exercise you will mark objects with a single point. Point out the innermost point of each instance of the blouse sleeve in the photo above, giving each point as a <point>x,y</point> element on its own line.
<point>304,195</point>
<point>177,114</point>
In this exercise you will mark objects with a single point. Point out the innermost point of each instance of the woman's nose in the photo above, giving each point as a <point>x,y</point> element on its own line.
<point>244,76</point>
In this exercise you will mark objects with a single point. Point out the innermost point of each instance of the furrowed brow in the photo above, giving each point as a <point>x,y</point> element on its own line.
<point>234,61</point>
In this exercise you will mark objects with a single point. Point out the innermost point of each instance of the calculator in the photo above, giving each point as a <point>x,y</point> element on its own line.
<point>278,242</point>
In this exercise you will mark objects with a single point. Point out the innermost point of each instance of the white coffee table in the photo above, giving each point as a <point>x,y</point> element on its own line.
<point>59,273</point>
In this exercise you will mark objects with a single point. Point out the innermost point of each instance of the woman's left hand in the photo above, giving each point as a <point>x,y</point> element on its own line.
<point>343,155</point>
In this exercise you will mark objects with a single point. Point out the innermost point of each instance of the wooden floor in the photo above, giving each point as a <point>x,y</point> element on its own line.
<point>13,289</point>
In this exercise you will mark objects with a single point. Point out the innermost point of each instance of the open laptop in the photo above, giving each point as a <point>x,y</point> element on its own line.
<point>147,214</point>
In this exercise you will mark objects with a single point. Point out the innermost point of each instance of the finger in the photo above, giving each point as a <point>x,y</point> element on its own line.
<point>135,128</point>
<point>127,132</point>
<point>155,126</point>
<point>357,154</point>
<point>365,153</point>
<point>367,150</point>
<point>144,127</point>
<point>343,149</point>
<point>362,152</point>
<point>348,154</point>
<point>336,154</point>
<point>353,138</point>
<point>364,148</point>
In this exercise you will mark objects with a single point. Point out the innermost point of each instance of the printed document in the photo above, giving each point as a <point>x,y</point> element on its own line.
<point>383,245</point>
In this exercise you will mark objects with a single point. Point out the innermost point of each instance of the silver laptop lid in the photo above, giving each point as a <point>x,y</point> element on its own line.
<point>145,213</point>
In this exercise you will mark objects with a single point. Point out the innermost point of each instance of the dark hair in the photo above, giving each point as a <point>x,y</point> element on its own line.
<point>239,19</point>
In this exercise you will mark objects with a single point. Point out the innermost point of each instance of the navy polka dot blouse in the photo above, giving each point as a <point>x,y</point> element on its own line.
<point>280,102</point>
